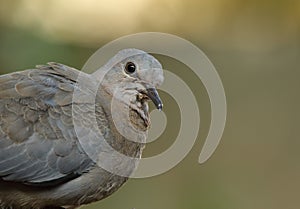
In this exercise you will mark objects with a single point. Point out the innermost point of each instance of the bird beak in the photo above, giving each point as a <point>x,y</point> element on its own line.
<point>153,95</point>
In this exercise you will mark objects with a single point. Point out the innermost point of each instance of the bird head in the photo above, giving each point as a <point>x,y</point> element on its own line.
<point>132,77</point>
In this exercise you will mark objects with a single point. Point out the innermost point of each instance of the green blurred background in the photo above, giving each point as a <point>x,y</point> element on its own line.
<point>255,46</point>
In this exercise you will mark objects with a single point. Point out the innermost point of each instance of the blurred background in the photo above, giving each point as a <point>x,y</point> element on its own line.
<point>255,47</point>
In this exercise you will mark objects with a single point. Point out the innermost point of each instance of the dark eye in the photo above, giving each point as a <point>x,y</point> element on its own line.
<point>130,67</point>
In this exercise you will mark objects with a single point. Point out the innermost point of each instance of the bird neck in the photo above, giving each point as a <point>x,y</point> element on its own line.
<point>122,134</point>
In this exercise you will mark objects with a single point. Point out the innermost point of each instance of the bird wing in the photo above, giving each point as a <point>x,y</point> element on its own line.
<point>38,144</point>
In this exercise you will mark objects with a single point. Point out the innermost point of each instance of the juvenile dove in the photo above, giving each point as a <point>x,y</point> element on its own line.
<point>52,153</point>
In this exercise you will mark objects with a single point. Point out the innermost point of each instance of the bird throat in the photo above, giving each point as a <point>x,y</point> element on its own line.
<point>139,115</point>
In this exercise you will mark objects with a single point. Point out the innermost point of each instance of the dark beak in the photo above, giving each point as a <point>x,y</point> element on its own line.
<point>153,95</point>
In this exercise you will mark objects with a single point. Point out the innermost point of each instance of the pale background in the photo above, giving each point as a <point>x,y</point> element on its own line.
<point>255,46</point>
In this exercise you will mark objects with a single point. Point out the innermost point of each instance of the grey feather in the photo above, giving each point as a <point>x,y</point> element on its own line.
<point>38,127</point>
<point>44,159</point>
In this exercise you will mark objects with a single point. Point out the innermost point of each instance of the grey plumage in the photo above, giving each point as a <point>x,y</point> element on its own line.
<point>42,161</point>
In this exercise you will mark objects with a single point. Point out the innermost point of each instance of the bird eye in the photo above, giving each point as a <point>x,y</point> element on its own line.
<point>130,67</point>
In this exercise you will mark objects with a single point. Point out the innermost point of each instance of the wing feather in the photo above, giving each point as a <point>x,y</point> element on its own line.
<point>37,142</point>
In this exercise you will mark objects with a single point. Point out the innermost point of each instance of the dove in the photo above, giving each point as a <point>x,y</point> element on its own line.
<point>61,130</point>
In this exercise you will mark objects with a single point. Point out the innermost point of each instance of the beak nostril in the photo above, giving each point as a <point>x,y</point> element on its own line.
<point>151,93</point>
